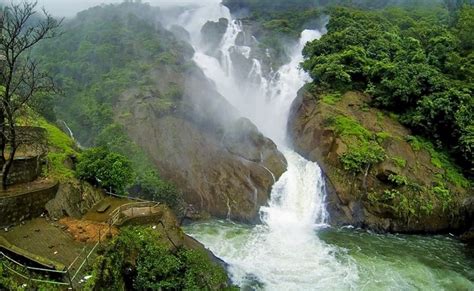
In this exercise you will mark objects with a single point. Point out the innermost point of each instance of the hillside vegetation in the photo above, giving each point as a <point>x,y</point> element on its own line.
<point>102,53</point>
<point>417,64</point>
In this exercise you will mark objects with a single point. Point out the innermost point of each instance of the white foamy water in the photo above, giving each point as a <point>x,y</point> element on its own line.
<point>283,253</point>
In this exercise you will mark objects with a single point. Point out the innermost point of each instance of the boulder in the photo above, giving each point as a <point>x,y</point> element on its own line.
<point>74,198</point>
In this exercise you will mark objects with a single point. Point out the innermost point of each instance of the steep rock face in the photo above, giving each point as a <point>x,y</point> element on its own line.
<point>212,33</point>
<point>223,165</point>
<point>408,189</point>
<point>74,198</point>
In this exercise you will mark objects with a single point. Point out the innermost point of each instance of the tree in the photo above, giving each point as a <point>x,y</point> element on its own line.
<point>110,169</point>
<point>21,75</point>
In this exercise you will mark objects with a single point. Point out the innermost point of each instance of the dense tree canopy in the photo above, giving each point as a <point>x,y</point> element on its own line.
<point>416,63</point>
<point>104,51</point>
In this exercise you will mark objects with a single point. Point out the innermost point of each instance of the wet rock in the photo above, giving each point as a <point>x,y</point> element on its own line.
<point>212,34</point>
<point>180,33</point>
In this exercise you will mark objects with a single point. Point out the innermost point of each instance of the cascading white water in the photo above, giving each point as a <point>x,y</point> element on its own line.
<point>291,249</point>
<point>283,252</point>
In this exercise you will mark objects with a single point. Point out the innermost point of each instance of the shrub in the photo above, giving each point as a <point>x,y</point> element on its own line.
<point>152,263</point>
<point>150,186</point>
<point>109,169</point>
<point>399,162</point>
<point>398,180</point>
<point>358,158</point>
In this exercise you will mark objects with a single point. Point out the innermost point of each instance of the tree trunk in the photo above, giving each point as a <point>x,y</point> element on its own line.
<point>11,157</point>
<point>3,139</point>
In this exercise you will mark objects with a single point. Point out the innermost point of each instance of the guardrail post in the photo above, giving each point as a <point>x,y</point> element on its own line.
<point>29,277</point>
<point>70,281</point>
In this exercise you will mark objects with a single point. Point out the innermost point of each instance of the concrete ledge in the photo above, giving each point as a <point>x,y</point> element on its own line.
<point>24,205</point>
<point>5,245</point>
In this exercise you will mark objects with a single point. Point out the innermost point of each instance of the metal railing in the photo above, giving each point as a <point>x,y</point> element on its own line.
<point>119,213</point>
<point>29,277</point>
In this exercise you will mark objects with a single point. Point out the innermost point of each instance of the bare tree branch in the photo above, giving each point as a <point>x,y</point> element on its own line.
<point>21,75</point>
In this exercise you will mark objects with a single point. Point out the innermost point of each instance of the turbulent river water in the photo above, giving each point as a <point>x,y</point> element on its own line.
<point>293,248</point>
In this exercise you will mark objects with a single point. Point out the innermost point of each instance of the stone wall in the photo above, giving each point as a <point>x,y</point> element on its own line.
<point>24,170</point>
<point>26,205</point>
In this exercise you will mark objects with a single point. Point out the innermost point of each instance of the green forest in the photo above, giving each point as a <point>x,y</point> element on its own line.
<point>415,63</point>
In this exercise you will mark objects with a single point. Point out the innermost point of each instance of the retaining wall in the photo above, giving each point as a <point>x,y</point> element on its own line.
<point>26,205</point>
<point>24,170</point>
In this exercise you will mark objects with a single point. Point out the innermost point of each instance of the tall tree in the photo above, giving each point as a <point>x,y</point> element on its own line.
<point>20,74</point>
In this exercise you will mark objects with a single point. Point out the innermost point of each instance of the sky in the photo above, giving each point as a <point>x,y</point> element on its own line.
<point>69,8</point>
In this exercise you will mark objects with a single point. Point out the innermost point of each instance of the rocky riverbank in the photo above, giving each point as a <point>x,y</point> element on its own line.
<point>378,174</point>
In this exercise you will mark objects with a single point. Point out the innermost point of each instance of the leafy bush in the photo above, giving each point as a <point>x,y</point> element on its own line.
<point>398,180</point>
<point>109,169</point>
<point>356,159</point>
<point>153,264</point>
<point>399,162</point>
<point>363,148</point>
<point>149,185</point>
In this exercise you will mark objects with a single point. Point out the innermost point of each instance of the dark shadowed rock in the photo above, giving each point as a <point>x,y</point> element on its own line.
<point>212,34</point>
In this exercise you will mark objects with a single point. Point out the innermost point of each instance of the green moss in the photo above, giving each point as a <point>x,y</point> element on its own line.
<point>57,139</point>
<point>60,146</point>
<point>363,148</point>
<point>381,136</point>
<point>331,98</point>
<point>399,162</point>
<point>414,142</point>
<point>56,167</point>
<point>398,180</point>
<point>443,194</point>
<point>358,157</point>
<point>440,160</point>
<point>346,126</point>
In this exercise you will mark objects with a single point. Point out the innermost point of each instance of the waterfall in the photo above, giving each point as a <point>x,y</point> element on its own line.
<point>282,253</point>
<point>69,131</point>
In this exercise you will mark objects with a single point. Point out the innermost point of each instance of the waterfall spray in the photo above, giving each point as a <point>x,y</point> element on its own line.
<point>283,252</point>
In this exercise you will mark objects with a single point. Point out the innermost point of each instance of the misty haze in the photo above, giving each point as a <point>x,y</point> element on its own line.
<point>237,144</point>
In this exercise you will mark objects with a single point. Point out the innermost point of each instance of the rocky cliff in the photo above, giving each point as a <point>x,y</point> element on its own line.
<point>379,175</point>
<point>223,165</point>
